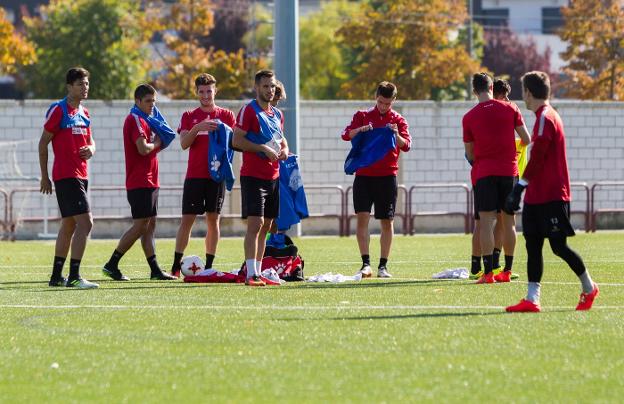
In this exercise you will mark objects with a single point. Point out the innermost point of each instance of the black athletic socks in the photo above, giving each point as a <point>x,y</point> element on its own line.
<point>74,270</point>
<point>57,267</point>
<point>113,262</point>
<point>383,262</point>
<point>177,259</point>
<point>488,264</point>
<point>475,264</point>
<point>153,264</point>
<point>508,262</point>
<point>209,259</point>
<point>496,257</point>
<point>366,259</point>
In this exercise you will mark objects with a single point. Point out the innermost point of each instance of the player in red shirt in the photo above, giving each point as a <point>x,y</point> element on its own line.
<point>376,184</point>
<point>141,146</point>
<point>546,211</point>
<point>501,90</point>
<point>201,193</point>
<point>490,143</point>
<point>68,127</point>
<point>259,173</point>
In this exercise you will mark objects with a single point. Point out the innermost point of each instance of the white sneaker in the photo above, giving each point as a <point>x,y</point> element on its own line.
<point>383,273</point>
<point>365,271</point>
<point>82,284</point>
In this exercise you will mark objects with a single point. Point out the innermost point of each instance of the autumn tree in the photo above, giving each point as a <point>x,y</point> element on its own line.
<point>231,23</point>
<point>15,50</point>
<point>322,54</point>
<point>107,37</point>
<point>506,55</point>
<point>410,42</point>
<point>187,23</point>
<point>594,30</point>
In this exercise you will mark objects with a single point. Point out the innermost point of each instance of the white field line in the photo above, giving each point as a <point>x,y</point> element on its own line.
<point>278,308</point>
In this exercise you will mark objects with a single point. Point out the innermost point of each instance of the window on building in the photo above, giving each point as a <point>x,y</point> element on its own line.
<point>493,17</point>
<point>551,20</point>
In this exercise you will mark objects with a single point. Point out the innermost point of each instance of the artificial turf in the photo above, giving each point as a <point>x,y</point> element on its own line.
<point>410,338</point>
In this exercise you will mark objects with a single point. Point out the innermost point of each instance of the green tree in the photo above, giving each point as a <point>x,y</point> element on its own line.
<point>15,51</point>
<point>107,37</point>
<point>413,43</point>
<point>189,22</point>
<point>323,58</point>
<point>594,30</point>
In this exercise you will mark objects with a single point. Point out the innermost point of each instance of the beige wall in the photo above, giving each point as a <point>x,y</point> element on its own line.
<point>594,131</point>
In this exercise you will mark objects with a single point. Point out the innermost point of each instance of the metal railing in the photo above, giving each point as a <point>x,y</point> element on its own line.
<point>403,215</point>
<point>340,216</point>
<point>588,198</point>
<point>5,219</point>
<point>467,215</point>
<point>596,212</point>
<point>9,220</point>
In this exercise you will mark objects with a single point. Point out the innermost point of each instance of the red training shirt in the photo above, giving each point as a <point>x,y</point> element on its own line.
<point>66,144</point>
<point>141,171</point>
<point>198,152</point>
<point>254,165</point>
<point>490,126</point>
<point>547,170</point>
<point>389,164</point>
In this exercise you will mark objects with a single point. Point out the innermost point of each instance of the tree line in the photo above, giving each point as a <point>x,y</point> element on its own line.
<point>345,47</point>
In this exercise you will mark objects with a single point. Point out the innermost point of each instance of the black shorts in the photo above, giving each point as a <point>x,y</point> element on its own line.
<point>143,202</point>
<point>71,195</point>
<point>547,220</point>
<point>379,191</point>
<point>202,195</point>
<point>490,193</point>
<point>259,197</point>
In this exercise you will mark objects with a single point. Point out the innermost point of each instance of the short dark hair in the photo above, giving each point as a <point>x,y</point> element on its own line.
<point>501,87</point>
<point>481,82</point>
<point>280,91</point>
<point>205,79</point>
<point>142,90</point>
<point>262,74</point>
<point>537,83</point>
<point>386,90</point>
<point>76,73</point>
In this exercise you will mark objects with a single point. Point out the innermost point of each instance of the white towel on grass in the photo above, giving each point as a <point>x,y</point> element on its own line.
<point>334,278</point>
<point>452,273</point>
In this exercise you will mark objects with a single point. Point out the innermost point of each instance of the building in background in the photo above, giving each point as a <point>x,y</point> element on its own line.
<point>537,19</point>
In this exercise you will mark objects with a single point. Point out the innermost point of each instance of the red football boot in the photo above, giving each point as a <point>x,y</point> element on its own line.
<point>255,281</point>
<point>486,278</point>
<point>525,306</point>
<point>269,282</point>
<point>503,277</point>
<point>587,299</point>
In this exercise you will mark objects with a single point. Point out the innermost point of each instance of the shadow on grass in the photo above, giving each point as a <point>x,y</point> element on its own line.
<point>446,314</point>
<point>155,285</point>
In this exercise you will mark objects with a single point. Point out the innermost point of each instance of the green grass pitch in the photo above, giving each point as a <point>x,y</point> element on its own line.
<point>408,339</point>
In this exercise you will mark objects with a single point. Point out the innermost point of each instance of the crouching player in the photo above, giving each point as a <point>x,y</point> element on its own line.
<point>546,211</point>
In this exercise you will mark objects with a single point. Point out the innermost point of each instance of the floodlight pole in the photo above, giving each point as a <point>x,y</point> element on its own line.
<point>286,65</point>
<point>470,45</point>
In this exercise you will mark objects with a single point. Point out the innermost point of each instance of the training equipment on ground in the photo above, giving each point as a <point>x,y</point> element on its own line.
<point>453,273</point>
<point>191,265</point>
